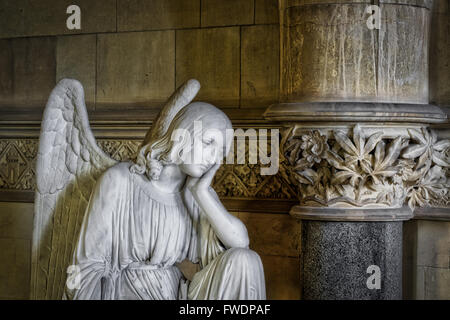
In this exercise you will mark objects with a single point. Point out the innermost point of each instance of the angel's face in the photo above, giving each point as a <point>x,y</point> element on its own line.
<point>207,149</point>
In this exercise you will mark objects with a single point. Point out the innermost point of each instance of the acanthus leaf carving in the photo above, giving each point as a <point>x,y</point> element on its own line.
<point>358,169</point>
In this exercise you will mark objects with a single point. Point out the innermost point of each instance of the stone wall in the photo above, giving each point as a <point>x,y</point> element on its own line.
<point>138,52</point>
<point>16,227</point>
<point>426,260</point>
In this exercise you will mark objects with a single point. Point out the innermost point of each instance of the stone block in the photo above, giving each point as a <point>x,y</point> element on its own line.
<point>440,54</point>
<point>31,72</point>
<point>259,65</point>
<point>6,73</point>
<point>24,18</point>
<point>227,13</point>
<point>266,11</point>
<point>76,59</point>
<point>418,3</point>
<point>419,293</point>
<point>135,68</point>
<point>138,15</point>
<point>409,258</point>
<point>273,234</point>
<point>212,57</point>
<point>437,284</point>
<point>331,55</point>
<point>433,244</point>
<point>282,276</point>
<point>320,2</point>
<point>403,54</point>
<point>16,220</point>
<point>15,256</point>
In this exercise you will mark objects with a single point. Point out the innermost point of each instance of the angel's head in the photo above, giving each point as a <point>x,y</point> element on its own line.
<point>197,138</point>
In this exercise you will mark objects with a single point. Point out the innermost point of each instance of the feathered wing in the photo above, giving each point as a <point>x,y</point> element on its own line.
<point>179,99</point>
<point>68,164</point>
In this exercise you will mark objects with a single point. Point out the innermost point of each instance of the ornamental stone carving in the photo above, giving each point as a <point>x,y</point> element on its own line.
<point>368,167</point>
<point>231,180</point>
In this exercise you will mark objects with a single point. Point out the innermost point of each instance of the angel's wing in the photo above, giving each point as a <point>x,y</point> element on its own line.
<point>68,164</point>
<point>179,99</point>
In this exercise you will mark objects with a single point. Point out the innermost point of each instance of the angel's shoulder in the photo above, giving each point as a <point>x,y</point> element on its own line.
<point>117,174</point>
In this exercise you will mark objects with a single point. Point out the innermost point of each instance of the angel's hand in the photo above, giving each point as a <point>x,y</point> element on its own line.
<point>188,268</point>
<point>228,228</point>
<point>204,182</point>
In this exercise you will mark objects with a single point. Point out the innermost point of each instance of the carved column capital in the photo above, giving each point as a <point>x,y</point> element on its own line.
<point>378,160</point>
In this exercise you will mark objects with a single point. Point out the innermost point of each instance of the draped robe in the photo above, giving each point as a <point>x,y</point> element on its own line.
<point>132,236</point>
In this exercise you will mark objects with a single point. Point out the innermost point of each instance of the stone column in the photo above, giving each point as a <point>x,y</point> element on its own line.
<point>354,104</point>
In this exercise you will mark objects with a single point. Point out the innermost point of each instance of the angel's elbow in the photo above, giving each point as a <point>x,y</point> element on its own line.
<point>244,243</point>
<point>241,241</point>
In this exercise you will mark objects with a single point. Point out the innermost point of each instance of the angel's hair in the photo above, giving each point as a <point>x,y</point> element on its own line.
<point>154,155</point>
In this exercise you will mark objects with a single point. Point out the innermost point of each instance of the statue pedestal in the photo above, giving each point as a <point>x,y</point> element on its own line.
<point>341,249</point>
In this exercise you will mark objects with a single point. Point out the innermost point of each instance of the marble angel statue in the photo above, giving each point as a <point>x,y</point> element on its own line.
<point>149,229</point>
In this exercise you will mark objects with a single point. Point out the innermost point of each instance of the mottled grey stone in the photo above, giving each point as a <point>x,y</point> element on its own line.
<point>336,256</point>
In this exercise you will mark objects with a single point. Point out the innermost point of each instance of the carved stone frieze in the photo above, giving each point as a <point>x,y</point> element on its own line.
<point>367,166</point>
<point>243,179</point>
<point>17,170</point>
<point>17,158</point>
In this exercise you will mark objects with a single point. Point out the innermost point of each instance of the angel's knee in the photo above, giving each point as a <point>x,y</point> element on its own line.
<point>244,258</point>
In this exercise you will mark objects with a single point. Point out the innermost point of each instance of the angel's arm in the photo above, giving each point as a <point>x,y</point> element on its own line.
<point>92,256</point>
<point>229,229</point>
